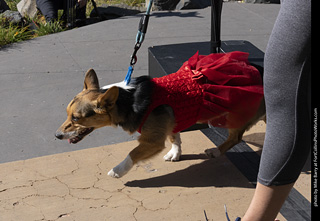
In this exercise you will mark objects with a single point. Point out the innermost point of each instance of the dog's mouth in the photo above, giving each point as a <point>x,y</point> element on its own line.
<point>81,135</point>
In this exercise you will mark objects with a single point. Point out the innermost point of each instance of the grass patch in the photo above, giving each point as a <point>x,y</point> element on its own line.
<point>49,28</point>
<point>113,2</point>
<point>12,4</point>
<point>12,33</point>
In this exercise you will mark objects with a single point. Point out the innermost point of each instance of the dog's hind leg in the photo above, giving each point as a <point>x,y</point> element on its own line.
<point>175,152</point>
<point>235,136</point>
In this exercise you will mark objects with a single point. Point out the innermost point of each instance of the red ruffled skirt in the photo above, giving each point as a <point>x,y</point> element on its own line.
<point>232,88</point>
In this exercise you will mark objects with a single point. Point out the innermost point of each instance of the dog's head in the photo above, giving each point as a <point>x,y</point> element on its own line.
<point>89,110</point>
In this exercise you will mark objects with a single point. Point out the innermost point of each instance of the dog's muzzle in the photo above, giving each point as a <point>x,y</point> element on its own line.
<point>59,135</point>
<point>74,137</point>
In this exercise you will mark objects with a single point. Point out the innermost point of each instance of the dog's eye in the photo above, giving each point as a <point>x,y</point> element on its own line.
<point>74,119</point>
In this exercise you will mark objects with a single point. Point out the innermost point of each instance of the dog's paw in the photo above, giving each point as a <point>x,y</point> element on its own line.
<point>174,154</point>
<point>171,156</point>
<point>213,152</point>
<point>113,174</point>
<point>122,168</point>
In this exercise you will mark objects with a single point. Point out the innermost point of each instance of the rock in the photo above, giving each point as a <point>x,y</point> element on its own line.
<point>13,17</point>
<point>3,6</point>
<point>27,8</point>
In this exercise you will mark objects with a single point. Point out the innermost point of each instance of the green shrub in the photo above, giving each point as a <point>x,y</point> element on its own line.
<point>49,28</point>
<point>12,4</point>
<point>13,33</point>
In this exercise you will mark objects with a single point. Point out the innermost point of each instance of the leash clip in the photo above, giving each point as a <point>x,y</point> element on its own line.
<point>134,58</point>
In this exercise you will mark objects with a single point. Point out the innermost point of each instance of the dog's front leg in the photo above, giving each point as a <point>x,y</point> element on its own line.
<point>122,168</point>
<point>141,152</point>
<point>153,135</point>
<point>175,152</point>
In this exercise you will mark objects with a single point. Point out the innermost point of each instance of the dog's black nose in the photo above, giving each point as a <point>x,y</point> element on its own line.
<point>59,135</point>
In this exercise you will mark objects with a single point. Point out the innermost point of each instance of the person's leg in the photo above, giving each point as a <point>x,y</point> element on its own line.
<point>48,8</point>
<point>267,202</point>
<point>286,78</point>
<point>81,12</point>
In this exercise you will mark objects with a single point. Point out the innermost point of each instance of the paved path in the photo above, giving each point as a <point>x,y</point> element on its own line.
<point>75,186</point>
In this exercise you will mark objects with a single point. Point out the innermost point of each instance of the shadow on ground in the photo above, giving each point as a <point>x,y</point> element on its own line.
<point>211,172</point>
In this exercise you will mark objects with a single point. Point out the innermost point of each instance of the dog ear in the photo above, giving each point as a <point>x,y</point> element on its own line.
<point>107,100</point>
<point>91,80</point>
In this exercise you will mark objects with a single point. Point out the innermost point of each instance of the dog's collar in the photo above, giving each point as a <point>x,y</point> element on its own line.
<point>121,84</point>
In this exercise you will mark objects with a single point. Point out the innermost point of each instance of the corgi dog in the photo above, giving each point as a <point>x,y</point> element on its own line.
<point>128,106</point>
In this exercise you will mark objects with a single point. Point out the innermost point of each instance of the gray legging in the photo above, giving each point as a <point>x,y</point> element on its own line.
<point>287,93</point>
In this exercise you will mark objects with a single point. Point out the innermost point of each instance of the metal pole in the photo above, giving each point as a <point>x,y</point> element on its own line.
<point>216,8</point>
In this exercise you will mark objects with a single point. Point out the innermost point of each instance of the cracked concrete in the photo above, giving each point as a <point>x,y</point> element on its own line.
<point>75,185</point>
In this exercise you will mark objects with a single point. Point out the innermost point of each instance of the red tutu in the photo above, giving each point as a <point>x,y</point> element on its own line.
<point>221,89</point>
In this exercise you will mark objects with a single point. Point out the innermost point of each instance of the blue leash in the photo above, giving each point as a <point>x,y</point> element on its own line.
<point>127,79</point>
<point>142,30</point>
<point>225,209</point>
